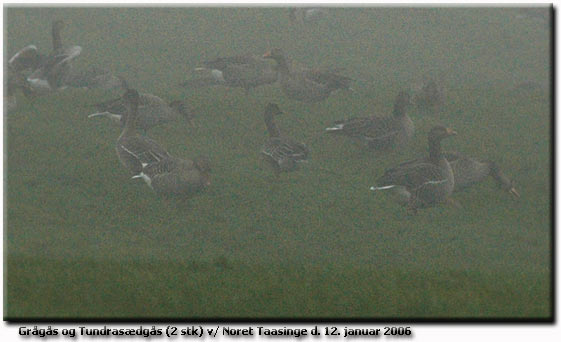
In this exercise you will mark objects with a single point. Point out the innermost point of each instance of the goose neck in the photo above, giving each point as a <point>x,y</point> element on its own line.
<point>130,119</point>
<point>57,41</point>
<point>435,152</point>
<point>271,125</point>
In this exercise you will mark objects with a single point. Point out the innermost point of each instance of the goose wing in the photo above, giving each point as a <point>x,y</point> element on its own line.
<point>26,58</point>
<point>144,149</point>
<point>115,106</point>
<point>328,78</point>
<point>54,67</point>
<point>412,175</point>
<point>280,149</point>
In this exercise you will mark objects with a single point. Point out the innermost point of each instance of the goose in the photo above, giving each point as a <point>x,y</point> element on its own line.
<point>152,111</point>
<point>53,69</point>
<point>428,95</point>
<point>281,152</point>
<point>310,85</point>
<point>133,150</point>
<point>304,15</point>
<point>423,182</point>
<point>27,58</point>
<point>380,132</point>
<point>175,176</point>
<point>13,81</point>
<point>244,71</point>
<point>93,78</point>
<point>469,171</point>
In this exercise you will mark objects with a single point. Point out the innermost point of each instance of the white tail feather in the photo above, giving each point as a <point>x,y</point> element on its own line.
<point>336,128</point>
<point>374,188</point>
<point>147,179</point>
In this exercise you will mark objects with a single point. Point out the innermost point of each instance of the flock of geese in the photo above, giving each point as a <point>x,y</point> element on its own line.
<point>419,183</point>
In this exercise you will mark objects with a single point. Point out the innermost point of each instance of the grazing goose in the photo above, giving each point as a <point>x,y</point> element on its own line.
<point>380,132</point>
<point>311,85</point>
<point>51,72</point>
<point>281,152</point>
<point>246,71</point>
<point>470,171</point>
<point>175,176</point>
<point>152,111</point>
<point>422,182</point>
<point>93,78</point>
<point>136,151</point>
<point>429,95</point>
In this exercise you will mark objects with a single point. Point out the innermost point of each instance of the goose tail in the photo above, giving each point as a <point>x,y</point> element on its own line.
<point>145,177</point>
<point>336,128</point>
<point>387,187</point>
<point>113,117</point>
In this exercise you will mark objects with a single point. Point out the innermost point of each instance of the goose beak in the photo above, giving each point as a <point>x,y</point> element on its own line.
<point>267,54</point>
<point>514,192</point>
<point>450,131</point>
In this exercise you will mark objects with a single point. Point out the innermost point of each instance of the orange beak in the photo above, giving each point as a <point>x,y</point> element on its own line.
<point>514,192</point>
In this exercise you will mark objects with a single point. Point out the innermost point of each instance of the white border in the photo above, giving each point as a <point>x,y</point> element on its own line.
<point>422,332</point>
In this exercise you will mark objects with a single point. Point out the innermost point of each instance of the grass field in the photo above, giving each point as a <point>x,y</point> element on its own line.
<point>83,240</point>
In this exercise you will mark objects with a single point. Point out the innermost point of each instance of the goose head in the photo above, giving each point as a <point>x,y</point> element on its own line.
<point>275,53</point>
<point>131,96</point>
<point>272,109</point>
<point>202,163</point>
<point>437,133</point>
<point>503,182</point>
<point>402,101</point>
<point>58,25</point>
<point>182,108</point>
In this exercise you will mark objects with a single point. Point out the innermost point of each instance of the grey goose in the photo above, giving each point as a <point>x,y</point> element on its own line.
<point>428,96</point>
<point>469,171</point>
<point>94,78</point>
<point>27,58</point>
<point>280,151</point>
<point>152,111</point>
<point>243,71</point>
<point>309,85</point>
<point>380,132</point>
<point>14,80</point>
<point>49,75</point>
<point>422,182</point>
<point>305,15</point>
<point>177,177</point>
<point>134,150</point>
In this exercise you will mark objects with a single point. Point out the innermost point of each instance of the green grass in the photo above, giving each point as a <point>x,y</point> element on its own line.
<point>218,288</point>
<point>83,240</point>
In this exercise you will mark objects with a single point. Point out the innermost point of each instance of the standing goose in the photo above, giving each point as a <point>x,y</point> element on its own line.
<point>423,182</point>
<point>429,95</point>
<point>245,71</point>
<point>311,85</point>
<point>50,74</point>
<point>152,111</point>
<point>136,151</point>
<point>175,176</point>
<point>281,152</point>
<point>470,171</point>
<point>380,132</point>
